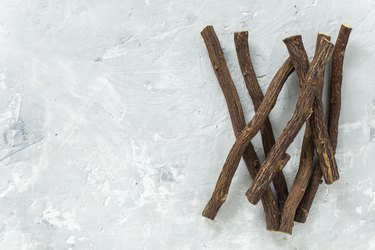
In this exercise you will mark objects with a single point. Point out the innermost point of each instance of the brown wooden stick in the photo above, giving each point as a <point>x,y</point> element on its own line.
<point>225,178</point>
<point>308,198</point>
<point>324,149</point>
<point>302,113</point>
<point>336,82</point>
<point>238,122</point>
<point>320,134</point>
<point>318,127</point>
<point>255,92</point>
<point>320,84</point>
<point>333,119</point>
<point>307,153</point>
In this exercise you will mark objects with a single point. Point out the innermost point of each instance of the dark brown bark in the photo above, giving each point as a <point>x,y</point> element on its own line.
<point>324,149</point>
<point>316,126</point>
<point>304,108</point>
<point>238,122</point>
<point>333,118</point>
<point>336,82</point>
<point>307,153</point>
<point>308,198</point>
<point>320,84</point>
<point>243,140</point>
<point>256,94</point>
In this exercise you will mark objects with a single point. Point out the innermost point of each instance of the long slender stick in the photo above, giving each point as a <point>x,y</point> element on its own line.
<point>336,82</point>
<point>238,121</point>
<point>333,119</point>
<point>307,153</point>
<point>255,92</point>
<point>302,113</point>
<point>318,127</point>
<point>243,140</point>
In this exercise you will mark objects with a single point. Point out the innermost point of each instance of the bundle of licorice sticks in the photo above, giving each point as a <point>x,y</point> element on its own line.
<point>320,136</point>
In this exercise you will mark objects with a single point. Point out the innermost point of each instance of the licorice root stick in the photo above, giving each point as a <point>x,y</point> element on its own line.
<point>305,169</point>
<point>243,140</point>
<point>255,92</point>
<point>319,129</point>
<point>303,111</point>
<point>333,118</point>
<point>238,122</point>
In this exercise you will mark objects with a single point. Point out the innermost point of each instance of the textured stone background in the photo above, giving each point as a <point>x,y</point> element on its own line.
<point>114,128</point>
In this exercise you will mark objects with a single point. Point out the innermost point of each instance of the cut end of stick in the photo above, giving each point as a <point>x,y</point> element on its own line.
<point>250,197</point>
<point>285,232</point>
<point>208,216</point>
<point>300,219</point>
<point>254,195</point>
<point>213,207</point>
<point>210,211</point>
<point>301,215</point>
<point>272,228</point>
<point>324,35</point>
<point>344,33</point>
<point>292,38</point>
<point>346,25</point>
<point>275,230</point>
<point>286,225</point>
<point>282,163</point>
<point>205,29</point>
<point>331,179</point>
<point>241,33</point>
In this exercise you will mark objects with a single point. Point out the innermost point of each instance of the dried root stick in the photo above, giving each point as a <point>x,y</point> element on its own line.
<point>238,122</point>
<point>255,92</point>
<point>333,118</point>
<point>303,111</point>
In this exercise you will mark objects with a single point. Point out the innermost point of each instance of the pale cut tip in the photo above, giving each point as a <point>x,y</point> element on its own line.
<point>244,32</point>
<point>282,233</point>
<point>323,34</point>
<point>347,25</point>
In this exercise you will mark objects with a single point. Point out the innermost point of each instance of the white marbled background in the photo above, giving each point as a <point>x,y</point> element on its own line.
<point>114,128</point>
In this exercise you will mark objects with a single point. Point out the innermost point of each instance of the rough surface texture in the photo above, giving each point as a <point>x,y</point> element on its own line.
<point>305,167</point>
<point>268,138</point>
<point>334,109</point>
<point>320,136</point>
<point>303,110</point>
<point>114,127</point>
<point>237,117</point>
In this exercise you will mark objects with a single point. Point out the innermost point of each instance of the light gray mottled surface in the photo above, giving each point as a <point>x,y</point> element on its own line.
<point>114,128</point>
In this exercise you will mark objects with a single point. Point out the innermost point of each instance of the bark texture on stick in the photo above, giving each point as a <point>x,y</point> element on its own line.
<point>243,140</point>
<point>324,149</point>
<point>238,122</point>
<point>336,82</point>
<point>304,108</point>
<point>256,94</point>
<point>320,84</point>
<point>316,124</point>
<point>333,118</point>
<point>305,169</point>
